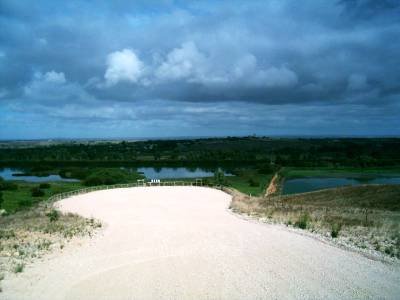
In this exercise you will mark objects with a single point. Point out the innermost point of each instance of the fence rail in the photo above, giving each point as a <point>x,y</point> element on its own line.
<point>64,195</point>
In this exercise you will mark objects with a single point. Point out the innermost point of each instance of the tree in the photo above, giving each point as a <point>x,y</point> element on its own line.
<point>1,200</point>
<point>219,177</point>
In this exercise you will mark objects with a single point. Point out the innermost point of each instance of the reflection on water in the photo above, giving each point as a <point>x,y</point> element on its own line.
<point>162,173</point>
<point>302,185</point>
<point>9,174</point>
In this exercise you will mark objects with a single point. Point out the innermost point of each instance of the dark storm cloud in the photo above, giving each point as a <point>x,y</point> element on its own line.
<point>123,54</point>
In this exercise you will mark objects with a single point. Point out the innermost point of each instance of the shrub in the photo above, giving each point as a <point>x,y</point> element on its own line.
<point>335,230</point>
<point>25,202</point>
<point>8,186</point>
<point>303,221</point>
<point>253,182</point>
<point>53,215</point>
<point>1,199</point>
<point>18,268</point>
<point>109,176</point>
<point>265,169</point>
<point>6,234</point>
<point>37,192</point>
<point>219,177</point>
<point>44,186</point>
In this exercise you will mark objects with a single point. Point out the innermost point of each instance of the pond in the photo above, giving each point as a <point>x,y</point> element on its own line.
<point>10,174</point>
<point>302,185</point>
<point>163,173</point>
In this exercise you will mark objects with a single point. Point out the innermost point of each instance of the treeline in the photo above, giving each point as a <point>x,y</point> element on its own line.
<point>301,152</point>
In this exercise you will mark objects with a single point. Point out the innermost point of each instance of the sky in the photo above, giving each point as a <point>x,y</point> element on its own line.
<point>135,69</point>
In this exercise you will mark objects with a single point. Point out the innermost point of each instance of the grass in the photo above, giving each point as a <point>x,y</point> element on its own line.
<point>28,234</point>
<point>290,172</point>
<point>18,268</point>
<point>366,217</point>
<point>22,198</point>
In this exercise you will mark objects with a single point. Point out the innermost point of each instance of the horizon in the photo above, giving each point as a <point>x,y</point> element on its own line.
<point>157,138</point>
<point>170,69</point>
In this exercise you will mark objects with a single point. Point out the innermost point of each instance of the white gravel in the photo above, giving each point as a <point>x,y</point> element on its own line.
<point>183,243</point>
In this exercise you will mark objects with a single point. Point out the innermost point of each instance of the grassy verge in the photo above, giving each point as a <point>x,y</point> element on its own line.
<point>21,198</point>
<point>363,217</point>
<point>28,234</point>
<point>290,172</point>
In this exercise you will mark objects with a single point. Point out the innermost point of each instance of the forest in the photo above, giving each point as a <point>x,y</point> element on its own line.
<point>293,152</point>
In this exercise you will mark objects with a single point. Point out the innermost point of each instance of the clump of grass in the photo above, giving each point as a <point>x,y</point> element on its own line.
<point>335,230</point>
<point>7,234</point>
<point>53,215</point>
<point>303,221</point>
<point>19,268</point>
<point>37,192</point>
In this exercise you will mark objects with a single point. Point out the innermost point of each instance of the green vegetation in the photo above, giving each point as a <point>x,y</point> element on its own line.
<point>290,172</point>
<point>110,176</point>
<point>249,182</point>
<point>21,198</point>
<point>18,268</point>
<point>37,192</point>
<point>303,221</point>
<point>44,186</point>
<point>53,215</point>
<point>335,230</point>
<point>293,152</point>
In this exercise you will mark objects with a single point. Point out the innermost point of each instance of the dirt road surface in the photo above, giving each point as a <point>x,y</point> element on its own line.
<point>184,243</point>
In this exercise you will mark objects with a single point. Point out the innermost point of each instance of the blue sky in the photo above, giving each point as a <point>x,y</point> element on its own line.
<point>106,69</point>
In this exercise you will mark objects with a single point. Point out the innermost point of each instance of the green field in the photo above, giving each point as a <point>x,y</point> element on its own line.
<point>21,198</point>
<point>291,172</point>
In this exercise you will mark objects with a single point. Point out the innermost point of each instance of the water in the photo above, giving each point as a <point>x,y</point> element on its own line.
<point>163,173</point>
<point>7,174</point>
<point>302,185</point>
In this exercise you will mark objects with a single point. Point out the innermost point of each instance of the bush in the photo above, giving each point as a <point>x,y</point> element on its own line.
<point>253,182</point>
<point>8,186</point>
<point>266,169</point>
<point>109,176</point>
<point>44,186</point>
<point>18,268</point>
<point>37,192</point>
<point>1,199</point>
<point>53,215</point>
<point>335,230</point>
<point>25,202</point>
<point>303,221</point>
<point>219,177</point>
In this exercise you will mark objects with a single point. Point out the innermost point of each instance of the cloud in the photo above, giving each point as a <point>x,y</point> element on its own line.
<point>357,82</point>
<point>51,88</point>
<point>52,77</point>
<point>185,62</point>
<point>254,56</point>
<point>122,66</point>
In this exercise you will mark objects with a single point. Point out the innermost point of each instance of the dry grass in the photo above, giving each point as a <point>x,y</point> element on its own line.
<point>29,234</point>
<point>366,217</point>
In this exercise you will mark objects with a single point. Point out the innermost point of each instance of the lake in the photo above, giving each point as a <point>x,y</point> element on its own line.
<point>163,173</point>
<point>7,174</point>
<point>302,185</point>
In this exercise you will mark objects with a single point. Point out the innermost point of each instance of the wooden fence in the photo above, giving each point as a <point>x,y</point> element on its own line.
<point>61,196</point>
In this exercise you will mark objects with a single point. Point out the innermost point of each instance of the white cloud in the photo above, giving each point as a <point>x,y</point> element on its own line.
<point>52,88</point>
<point>54,77</point>
<point>184,62</point>
<point>247,71</point>
<point>123,65</point>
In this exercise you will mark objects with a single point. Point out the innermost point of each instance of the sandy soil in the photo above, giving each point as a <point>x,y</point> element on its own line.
<point>183,243</point>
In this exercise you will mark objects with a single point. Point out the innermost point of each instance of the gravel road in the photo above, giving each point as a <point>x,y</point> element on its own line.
<point>184,243</point>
